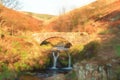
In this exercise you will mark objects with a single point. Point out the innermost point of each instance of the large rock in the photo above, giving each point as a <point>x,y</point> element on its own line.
<point>93,71</point>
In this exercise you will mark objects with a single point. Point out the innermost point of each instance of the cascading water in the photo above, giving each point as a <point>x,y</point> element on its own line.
<point>56,67</point>
<point>55,57</point>
<point>69,62</point>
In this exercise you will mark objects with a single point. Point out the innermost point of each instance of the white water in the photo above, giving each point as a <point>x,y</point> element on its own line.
<point>55,57</point>
<point>69,63</point>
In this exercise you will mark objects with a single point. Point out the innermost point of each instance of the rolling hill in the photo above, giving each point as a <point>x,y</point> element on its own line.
<point>43,17</point>
<point>15,21</point>
<point>85,18</point>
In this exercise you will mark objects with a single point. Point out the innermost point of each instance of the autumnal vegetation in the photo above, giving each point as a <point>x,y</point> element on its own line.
<point>16,21</point>
<point>86,19</point>
<point>19,52</point>
<point>44,17</point>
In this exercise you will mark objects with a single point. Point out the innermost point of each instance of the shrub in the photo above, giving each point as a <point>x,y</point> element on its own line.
<point>6,73</point>
<point>63,59</point>
<point>22,66</point>
<point>91,49</point>
<point>75,52</point>
<point>76,49</point>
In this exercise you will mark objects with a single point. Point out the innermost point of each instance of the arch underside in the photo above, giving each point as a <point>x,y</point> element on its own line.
<point>64,39</point>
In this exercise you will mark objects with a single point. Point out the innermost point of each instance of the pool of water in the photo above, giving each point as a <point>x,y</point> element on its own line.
<point>50,72</point>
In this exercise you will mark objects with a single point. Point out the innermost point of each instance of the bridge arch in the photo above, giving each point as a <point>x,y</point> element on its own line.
<point>60,40</point>
<point>72,37</point>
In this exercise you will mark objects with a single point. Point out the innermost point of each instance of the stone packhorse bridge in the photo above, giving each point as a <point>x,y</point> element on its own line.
<point>72,37</point>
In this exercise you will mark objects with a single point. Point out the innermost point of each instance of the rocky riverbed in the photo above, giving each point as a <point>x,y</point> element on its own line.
<point>84,70</point>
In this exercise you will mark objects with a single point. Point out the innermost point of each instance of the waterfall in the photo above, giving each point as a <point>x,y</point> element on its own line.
<point>69,61</point>
<point>55,57</point>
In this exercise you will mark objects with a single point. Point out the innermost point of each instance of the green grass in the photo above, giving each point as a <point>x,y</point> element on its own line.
<point>71,76</point>
<point>117,50</point>
<point>7,74</point>
<point>41,16</point>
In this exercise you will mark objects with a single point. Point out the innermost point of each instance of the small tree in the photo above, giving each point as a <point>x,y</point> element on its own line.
<point>13,4</point>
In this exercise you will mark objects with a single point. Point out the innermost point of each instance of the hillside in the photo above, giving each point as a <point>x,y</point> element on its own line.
<point>84,18</point>
<point>43,17</point>
<point>15,21</point>
<point>16,43</point>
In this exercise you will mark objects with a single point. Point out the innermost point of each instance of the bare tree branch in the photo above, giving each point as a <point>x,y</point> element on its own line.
<point>13,4</point>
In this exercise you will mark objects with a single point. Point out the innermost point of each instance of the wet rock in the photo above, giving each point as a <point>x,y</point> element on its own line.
<point>90,71</point>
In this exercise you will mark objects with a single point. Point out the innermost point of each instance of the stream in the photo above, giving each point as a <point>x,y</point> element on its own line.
<point>54,70</point>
